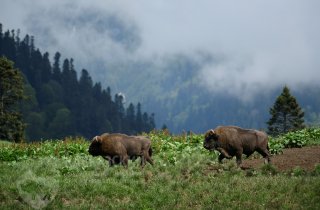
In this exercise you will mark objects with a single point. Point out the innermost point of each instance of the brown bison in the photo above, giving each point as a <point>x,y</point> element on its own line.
<point>234,141</point>
<point>118,148</point>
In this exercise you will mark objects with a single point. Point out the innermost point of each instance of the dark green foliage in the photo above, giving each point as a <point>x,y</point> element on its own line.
<point>11,91</point>
<point>300,138</point>
<point>286,114</point>
<point>268,169</point>
<point>59,104</point>
<point>67,147</point>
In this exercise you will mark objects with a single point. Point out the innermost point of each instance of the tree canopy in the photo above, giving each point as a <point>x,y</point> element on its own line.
<point>286,114</point>
<point>59,103</point>
<point>11,92</point>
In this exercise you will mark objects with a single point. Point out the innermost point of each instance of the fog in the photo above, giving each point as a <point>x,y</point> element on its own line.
<point>261,45</point>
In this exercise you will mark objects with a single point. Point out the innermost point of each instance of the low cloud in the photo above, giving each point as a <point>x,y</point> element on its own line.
<point>256,45</point>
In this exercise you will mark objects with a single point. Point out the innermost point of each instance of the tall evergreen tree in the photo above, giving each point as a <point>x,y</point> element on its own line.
<point>11,91</point>
<point>131,118</point>
<point>46,68</point>
<point>56,67</point>
<point>8,46</point>
<point>1,35</point>
<point>286,114</point>
<point>119,113</point>
<point>139,123</point>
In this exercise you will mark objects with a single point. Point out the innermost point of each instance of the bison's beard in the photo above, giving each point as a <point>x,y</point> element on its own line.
<point>94,151</point>
<point>211,146</point>
<point>208,147</point>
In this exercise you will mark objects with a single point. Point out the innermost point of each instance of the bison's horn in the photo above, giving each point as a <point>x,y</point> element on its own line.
<point>212,131</point>
<point>96,138</point>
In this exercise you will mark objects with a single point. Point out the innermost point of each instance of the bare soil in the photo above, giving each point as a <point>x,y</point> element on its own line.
<point>305,157</point>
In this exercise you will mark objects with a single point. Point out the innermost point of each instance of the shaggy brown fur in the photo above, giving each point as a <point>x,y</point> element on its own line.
<point>118,148</point>
<point>234,141</point>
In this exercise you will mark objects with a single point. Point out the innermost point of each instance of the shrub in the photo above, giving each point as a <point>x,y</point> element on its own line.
<point>295,139</point>
<point>58,148</point>
<point>301,138</point>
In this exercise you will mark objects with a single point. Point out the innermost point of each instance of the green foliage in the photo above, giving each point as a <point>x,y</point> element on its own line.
<point>54,148</point>
<point>286,114</point>
<point>170,147</point>
<point>60,174</point>
<point>275,145</point>
<point>11,91</point>
<point>316,171</point>
<point>268,169</point>
<point>298,171</point>
<point>194,182</point>
<point>300,138</point>
<point>295,139</point>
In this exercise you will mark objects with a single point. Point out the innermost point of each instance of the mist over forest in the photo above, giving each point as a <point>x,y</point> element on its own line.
<point>196,65</point>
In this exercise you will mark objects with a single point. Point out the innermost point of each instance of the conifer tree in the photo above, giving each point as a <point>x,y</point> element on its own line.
<point>139,123</point>
<point>286,114</point>
<point>11,91</point>
<point>56,67</point>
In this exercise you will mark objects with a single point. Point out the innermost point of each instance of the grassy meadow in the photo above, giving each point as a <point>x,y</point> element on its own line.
<point>61,175</point>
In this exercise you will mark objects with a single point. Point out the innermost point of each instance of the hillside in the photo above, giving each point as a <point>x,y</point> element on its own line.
<point>59,103</point>
<point>174,88</point>
<point>176,93</point>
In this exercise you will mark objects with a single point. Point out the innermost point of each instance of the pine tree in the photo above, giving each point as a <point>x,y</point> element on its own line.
<point>46,68</point>
<point>11,91</point>
<point>139,122</point>
<point>56,67</point>
<point>286,114</point>
<point>131,118</point>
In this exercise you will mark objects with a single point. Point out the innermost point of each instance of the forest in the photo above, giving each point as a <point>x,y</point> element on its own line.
<point>59,103</point>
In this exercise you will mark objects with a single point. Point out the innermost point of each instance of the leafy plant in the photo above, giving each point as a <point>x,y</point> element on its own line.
<point>295,139</point>
<point>276,145</point>
<point>57,148</point>
<point>300,138</point>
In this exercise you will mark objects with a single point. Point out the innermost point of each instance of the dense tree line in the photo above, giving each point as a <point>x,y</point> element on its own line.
<point>59,103</point>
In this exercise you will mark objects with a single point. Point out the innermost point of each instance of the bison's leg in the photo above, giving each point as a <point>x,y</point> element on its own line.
<point>145,157</point>
<point>148,158</point>
<point>220,158</point>
<point>266,155</point>
<point>111,163</point>
<point>124,160</point>
<point>224,152</point>
<point>109,159</point>
<point>239,157</point>
<point>143,160</point>
<point>133,158</point>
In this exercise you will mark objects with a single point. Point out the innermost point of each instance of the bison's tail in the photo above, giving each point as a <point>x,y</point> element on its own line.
<point>150,152</point>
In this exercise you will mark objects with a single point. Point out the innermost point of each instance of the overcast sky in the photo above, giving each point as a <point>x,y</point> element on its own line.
<point>264,44</point>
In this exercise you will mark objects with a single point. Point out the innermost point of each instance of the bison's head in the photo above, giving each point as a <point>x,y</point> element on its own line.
<point>210,140</point>
<point>95,146</point>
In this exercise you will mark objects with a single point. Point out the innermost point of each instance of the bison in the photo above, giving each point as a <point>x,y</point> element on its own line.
<point>234,141</point>
<point>118,148</point>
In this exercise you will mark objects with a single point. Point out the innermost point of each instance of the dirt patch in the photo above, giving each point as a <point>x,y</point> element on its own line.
<point>306,158</point>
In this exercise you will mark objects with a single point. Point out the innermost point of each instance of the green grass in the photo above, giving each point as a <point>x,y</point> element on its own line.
<point>5,142</point>
<point>62,175</point>
<point>196,181</point>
